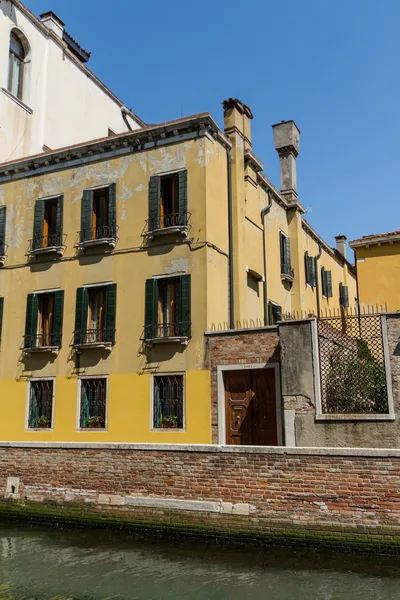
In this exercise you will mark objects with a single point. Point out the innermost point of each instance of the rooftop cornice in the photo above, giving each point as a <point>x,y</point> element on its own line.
<point>331,251</point>
<point>118,145</point>
<point>78,63</point>
<point>252,160</point>
<point>376,240</point>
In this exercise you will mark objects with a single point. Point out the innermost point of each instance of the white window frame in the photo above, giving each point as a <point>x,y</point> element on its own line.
<point>27,406</point>
<point>78,416</point>
<point>164,374</point>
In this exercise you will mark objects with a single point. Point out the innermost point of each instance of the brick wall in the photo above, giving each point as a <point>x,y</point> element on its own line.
<point>333,492</point>
<point>238,347</point>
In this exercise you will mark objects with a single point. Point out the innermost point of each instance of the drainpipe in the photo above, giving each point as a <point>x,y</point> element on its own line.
<point>316,258</point>
<point>264,212</point>
<point>230,238</point>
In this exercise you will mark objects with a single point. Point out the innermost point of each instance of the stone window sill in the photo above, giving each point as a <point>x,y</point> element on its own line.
<point>356,417</point>
<point>17,100</point>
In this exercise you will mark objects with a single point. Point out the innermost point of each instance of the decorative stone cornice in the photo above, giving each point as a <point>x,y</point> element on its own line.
<point>285,150</point>
<point>119,145</point>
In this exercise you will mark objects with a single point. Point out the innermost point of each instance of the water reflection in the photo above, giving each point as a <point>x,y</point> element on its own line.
<point>44,564</point>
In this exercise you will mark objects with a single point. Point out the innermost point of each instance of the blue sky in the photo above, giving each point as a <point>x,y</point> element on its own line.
<point>332,66</point>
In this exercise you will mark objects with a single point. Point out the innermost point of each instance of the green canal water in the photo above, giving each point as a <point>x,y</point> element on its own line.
<point>44,564</point>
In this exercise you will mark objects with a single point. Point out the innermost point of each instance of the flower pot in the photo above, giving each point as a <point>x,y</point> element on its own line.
<point>94,425</point>
<point>169,425</point>
<point>44,425</point>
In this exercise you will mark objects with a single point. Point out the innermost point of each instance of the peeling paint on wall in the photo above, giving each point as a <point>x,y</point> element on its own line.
<point>177,265</point>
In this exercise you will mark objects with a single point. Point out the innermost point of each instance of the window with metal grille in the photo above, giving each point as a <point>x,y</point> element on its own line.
<point>93,403</point>
<point>168,402</point>
<point>40,404</point>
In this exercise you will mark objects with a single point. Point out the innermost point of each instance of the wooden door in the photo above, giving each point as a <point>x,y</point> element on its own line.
<point>250,406</point>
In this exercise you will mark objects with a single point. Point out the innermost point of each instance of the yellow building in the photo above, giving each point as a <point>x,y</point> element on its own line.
<point>378,270</point>
<point>120,253</point>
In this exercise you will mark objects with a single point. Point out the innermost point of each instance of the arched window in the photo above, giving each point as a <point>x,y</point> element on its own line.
<point>16,66</point>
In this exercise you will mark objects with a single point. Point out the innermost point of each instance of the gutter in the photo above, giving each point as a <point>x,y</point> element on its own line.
<point>264,212</point>
<point>316,258</point>
<point>231,305</point>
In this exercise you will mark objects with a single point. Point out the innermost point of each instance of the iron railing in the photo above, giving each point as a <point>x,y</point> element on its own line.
<point>102,232</point>
<point>287,271</point>
<point>3,249</point>
<point>42,340</point>
<point>54,240</point>
<point>156,222</point>
<point>167,330</point>
<point>40,403</point>
<point>168,402</point>
<point>352,365</point>
<point>94,336</point>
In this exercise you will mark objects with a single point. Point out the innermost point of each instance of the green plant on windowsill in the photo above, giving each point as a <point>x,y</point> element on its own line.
<point>43,422</point>
<point>94,422</point>
<point>170,422</point>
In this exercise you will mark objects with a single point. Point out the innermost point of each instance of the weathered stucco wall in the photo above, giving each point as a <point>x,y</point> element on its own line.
<point>329,496</point>
<point>378,271</point>
<point>298,394</point>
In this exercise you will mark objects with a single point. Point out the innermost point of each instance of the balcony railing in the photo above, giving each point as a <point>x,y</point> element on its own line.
<point>94,337</point>
<point>168,223</point>
<point>47,243</point>
<point>287,271</point>
<point>100,234</point>
<point>167,331</point>
<point>3,252</point>
<point>41,341</point>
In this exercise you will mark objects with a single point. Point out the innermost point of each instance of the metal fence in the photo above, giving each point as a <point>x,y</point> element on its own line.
<point>352,365</point>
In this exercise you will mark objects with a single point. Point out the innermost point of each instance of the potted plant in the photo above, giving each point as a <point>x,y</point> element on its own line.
<point>94,422</point>
<point>170,422</point>
<point>43,422</point>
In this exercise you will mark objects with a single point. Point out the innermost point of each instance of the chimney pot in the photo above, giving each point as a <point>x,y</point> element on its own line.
<point>53,23</point>
<point>341,244</point>
<point>287,144</point>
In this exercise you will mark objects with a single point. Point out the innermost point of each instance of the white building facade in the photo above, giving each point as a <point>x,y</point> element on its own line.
<point>49,99</point>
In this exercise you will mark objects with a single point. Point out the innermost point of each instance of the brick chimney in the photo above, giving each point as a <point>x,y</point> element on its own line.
<point>237,117</point>
<point>341,243</point>
<point>287,142</point>
<point>53,23</point>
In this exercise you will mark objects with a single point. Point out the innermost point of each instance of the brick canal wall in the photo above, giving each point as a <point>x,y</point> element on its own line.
<point>345,496</point>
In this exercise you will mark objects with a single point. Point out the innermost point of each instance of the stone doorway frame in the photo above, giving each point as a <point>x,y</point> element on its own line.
<point>221,397</point>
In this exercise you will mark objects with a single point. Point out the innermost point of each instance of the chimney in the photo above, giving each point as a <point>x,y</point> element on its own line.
<point>237,117</point>
<point>53,23</point>
<point>287,141</point>
<point>341,241</point>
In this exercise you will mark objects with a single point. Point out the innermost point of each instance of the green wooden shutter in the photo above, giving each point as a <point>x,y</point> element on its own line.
<point>286,246</point>
<point>185,308</point>
<point>60,211</point>
<point>306,267</point>
<point>112,210</point>
<point>31,319</point>
<point>154,202</point>
<point>58,318</point>
<point>38,221</point>
<point>328,276</point>
<point>3,212</point>
<point>313,271</point>
<point>323,281</point>
<point>344,295</point>
<point>81,315</point>
<point>33,407</point>
<point>182,197</point>
<point>86,215</point>
<point>151,309</point>
<point>111,309</point>
<point>84,416</point>
<point>1,316</point>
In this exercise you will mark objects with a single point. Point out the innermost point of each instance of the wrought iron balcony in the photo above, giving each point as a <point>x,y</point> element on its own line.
<point>94,338</point>
<point>3,253</point>
<point>168,224</point>
<point>42,342</point>
<point>167,332</point>
<point>96,236</point>
<point>48,244</point>
<point>287,272</point>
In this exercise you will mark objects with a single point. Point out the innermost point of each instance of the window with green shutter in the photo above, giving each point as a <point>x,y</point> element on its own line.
<point>286,266</point>
<point>344,295</point>
<point>3,214</point>
<point>274,313</point>
<point>311,269</point>
<point>95,315</point>
<point>168,308</point>
<point>48,223</point>
<point>99,214</point>
<point>31,321</point>
<point>326,280</point>
<point>168,201</point>
<point>44,319</point>
<point>1,317</point>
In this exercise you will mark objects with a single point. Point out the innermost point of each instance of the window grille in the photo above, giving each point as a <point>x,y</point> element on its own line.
<point>352,366</point>
<point>93,403</point>
<point>168,402</point>
<point>40,403</point>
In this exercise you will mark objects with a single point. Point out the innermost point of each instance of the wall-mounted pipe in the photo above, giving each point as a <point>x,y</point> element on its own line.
<point>264,212</point>
<point>316,258</point>
<point>231,307</point>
